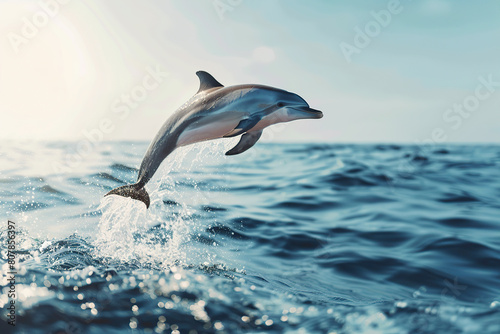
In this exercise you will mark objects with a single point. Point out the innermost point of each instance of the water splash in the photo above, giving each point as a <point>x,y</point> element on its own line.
<point>161,235</point>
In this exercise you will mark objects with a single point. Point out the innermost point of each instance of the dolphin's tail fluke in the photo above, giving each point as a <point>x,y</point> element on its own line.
<point>132,191</point>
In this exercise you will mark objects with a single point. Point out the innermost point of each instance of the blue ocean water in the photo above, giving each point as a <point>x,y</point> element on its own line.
<point>285,238</point>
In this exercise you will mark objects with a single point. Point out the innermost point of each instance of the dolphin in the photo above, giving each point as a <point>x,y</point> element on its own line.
<point>215,112</point>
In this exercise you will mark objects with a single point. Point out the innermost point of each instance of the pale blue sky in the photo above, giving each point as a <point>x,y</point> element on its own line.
<point>426,57</point>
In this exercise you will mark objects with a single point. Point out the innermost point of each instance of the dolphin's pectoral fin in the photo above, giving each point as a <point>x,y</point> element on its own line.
<point>243,126</point>
<point>246,141</point>
<point>207,81</point>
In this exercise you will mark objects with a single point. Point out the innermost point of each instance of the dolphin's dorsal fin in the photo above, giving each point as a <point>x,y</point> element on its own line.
<point>207,81</point>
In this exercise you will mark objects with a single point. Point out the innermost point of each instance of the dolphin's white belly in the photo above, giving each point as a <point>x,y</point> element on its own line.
<point>214,127</point>
<point>276,117</point>
<point>264,123</point>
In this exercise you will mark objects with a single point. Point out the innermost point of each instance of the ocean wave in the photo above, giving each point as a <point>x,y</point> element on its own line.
<point>310,238</point>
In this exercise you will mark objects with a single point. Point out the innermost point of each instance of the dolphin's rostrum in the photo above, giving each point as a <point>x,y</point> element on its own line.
<point>214,112</point>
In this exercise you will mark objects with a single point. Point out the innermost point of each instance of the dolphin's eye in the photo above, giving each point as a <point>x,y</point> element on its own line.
<point>280,104</point>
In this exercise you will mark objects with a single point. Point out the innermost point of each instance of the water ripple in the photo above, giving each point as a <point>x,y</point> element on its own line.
<point>303,238</point>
